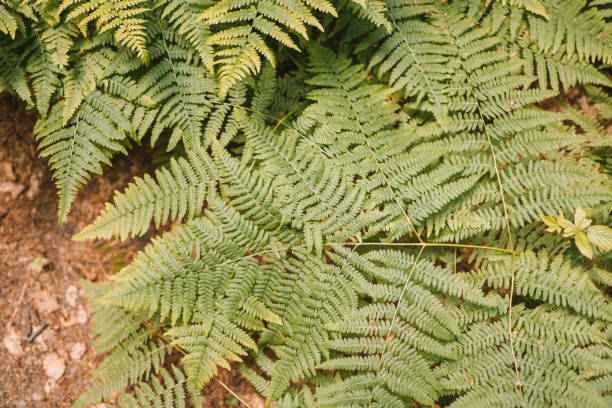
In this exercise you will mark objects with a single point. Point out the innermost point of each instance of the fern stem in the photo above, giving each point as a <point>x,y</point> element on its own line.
<point>429,244</point>
<point>281,120</point>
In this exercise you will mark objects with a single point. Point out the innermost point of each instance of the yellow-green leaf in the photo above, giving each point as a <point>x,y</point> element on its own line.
<point>583,245</point>
<point>548,220</point>
<point>600,236</point>
<point>581,218</point>
<point>566,224</point>
<point>551,223</point>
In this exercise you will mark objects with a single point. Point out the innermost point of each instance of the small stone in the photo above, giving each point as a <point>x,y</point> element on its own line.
<point>72,295</point>
<point>54,366</point>
<point>49,385</point>
<point>80,317</point>
<point>14,189</point>
<point>12,342</point>
<point>37,396</point>
<point>20,404</point>
<point>34,187</point>
<point>6,171</point>
<point>45,302</point>
<point>77,350</point>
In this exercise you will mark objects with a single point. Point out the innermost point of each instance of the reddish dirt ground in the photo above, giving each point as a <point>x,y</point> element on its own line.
<point>40,269</point>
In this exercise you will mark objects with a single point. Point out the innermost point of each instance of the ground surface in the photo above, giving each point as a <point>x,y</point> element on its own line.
<point>40,269</point>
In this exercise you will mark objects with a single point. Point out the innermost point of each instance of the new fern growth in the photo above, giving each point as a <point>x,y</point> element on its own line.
<point>366,197</point>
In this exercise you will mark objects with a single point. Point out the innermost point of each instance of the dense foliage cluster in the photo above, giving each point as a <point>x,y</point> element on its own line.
<point>369,208</point>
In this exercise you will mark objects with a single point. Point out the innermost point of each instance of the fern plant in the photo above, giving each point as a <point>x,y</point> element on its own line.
<point>365,196</point>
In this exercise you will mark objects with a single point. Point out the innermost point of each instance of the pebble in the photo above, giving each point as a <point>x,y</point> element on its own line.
<point>34,187</point>
<point>80,317</point>
<point>49,385</point>
<point>6,171</point>
<point>12,342</point>
<point>77,350</point>
<point>54,366</point>
<point>45,302</point>
<point>12,188</point>
<point>72,295</point>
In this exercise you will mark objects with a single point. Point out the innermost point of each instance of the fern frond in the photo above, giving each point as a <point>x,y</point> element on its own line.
<point>252,194</point>
<point>535,6</point>
<point>309,295</point>
<point>10,17</point>
<point>557,70</point>
<point>602,101</point>
<point>186,263</point>
<point>240,45</point>
<point>327,206</point>
<point>552,281</point>
<point>124,18</point>
<point>95,132</point>
<point>182,15</point>
<point>574,26</point>
<point>169,390</point>
<point>177,191</point>
<point>414,55</point>
<point>135,355</point>
<point>179,88</point>
<point>365,224</point>
<point>372,10</point>
<point>392,343</point>
<point>46,58</point>
<point>207,348</point>
<point>12,76</point>
<point>550,364</point>
<point>82,79</point>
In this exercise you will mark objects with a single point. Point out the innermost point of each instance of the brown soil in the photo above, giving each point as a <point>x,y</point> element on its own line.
<point>40,269</point>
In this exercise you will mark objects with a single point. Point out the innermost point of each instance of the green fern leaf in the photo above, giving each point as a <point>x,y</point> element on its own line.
<point>124,18</point>
<point>238,48</point>
<point>91,137</point>
<point>177,191</point>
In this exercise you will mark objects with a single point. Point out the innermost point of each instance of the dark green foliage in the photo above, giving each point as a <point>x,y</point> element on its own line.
<point>367,197</point>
